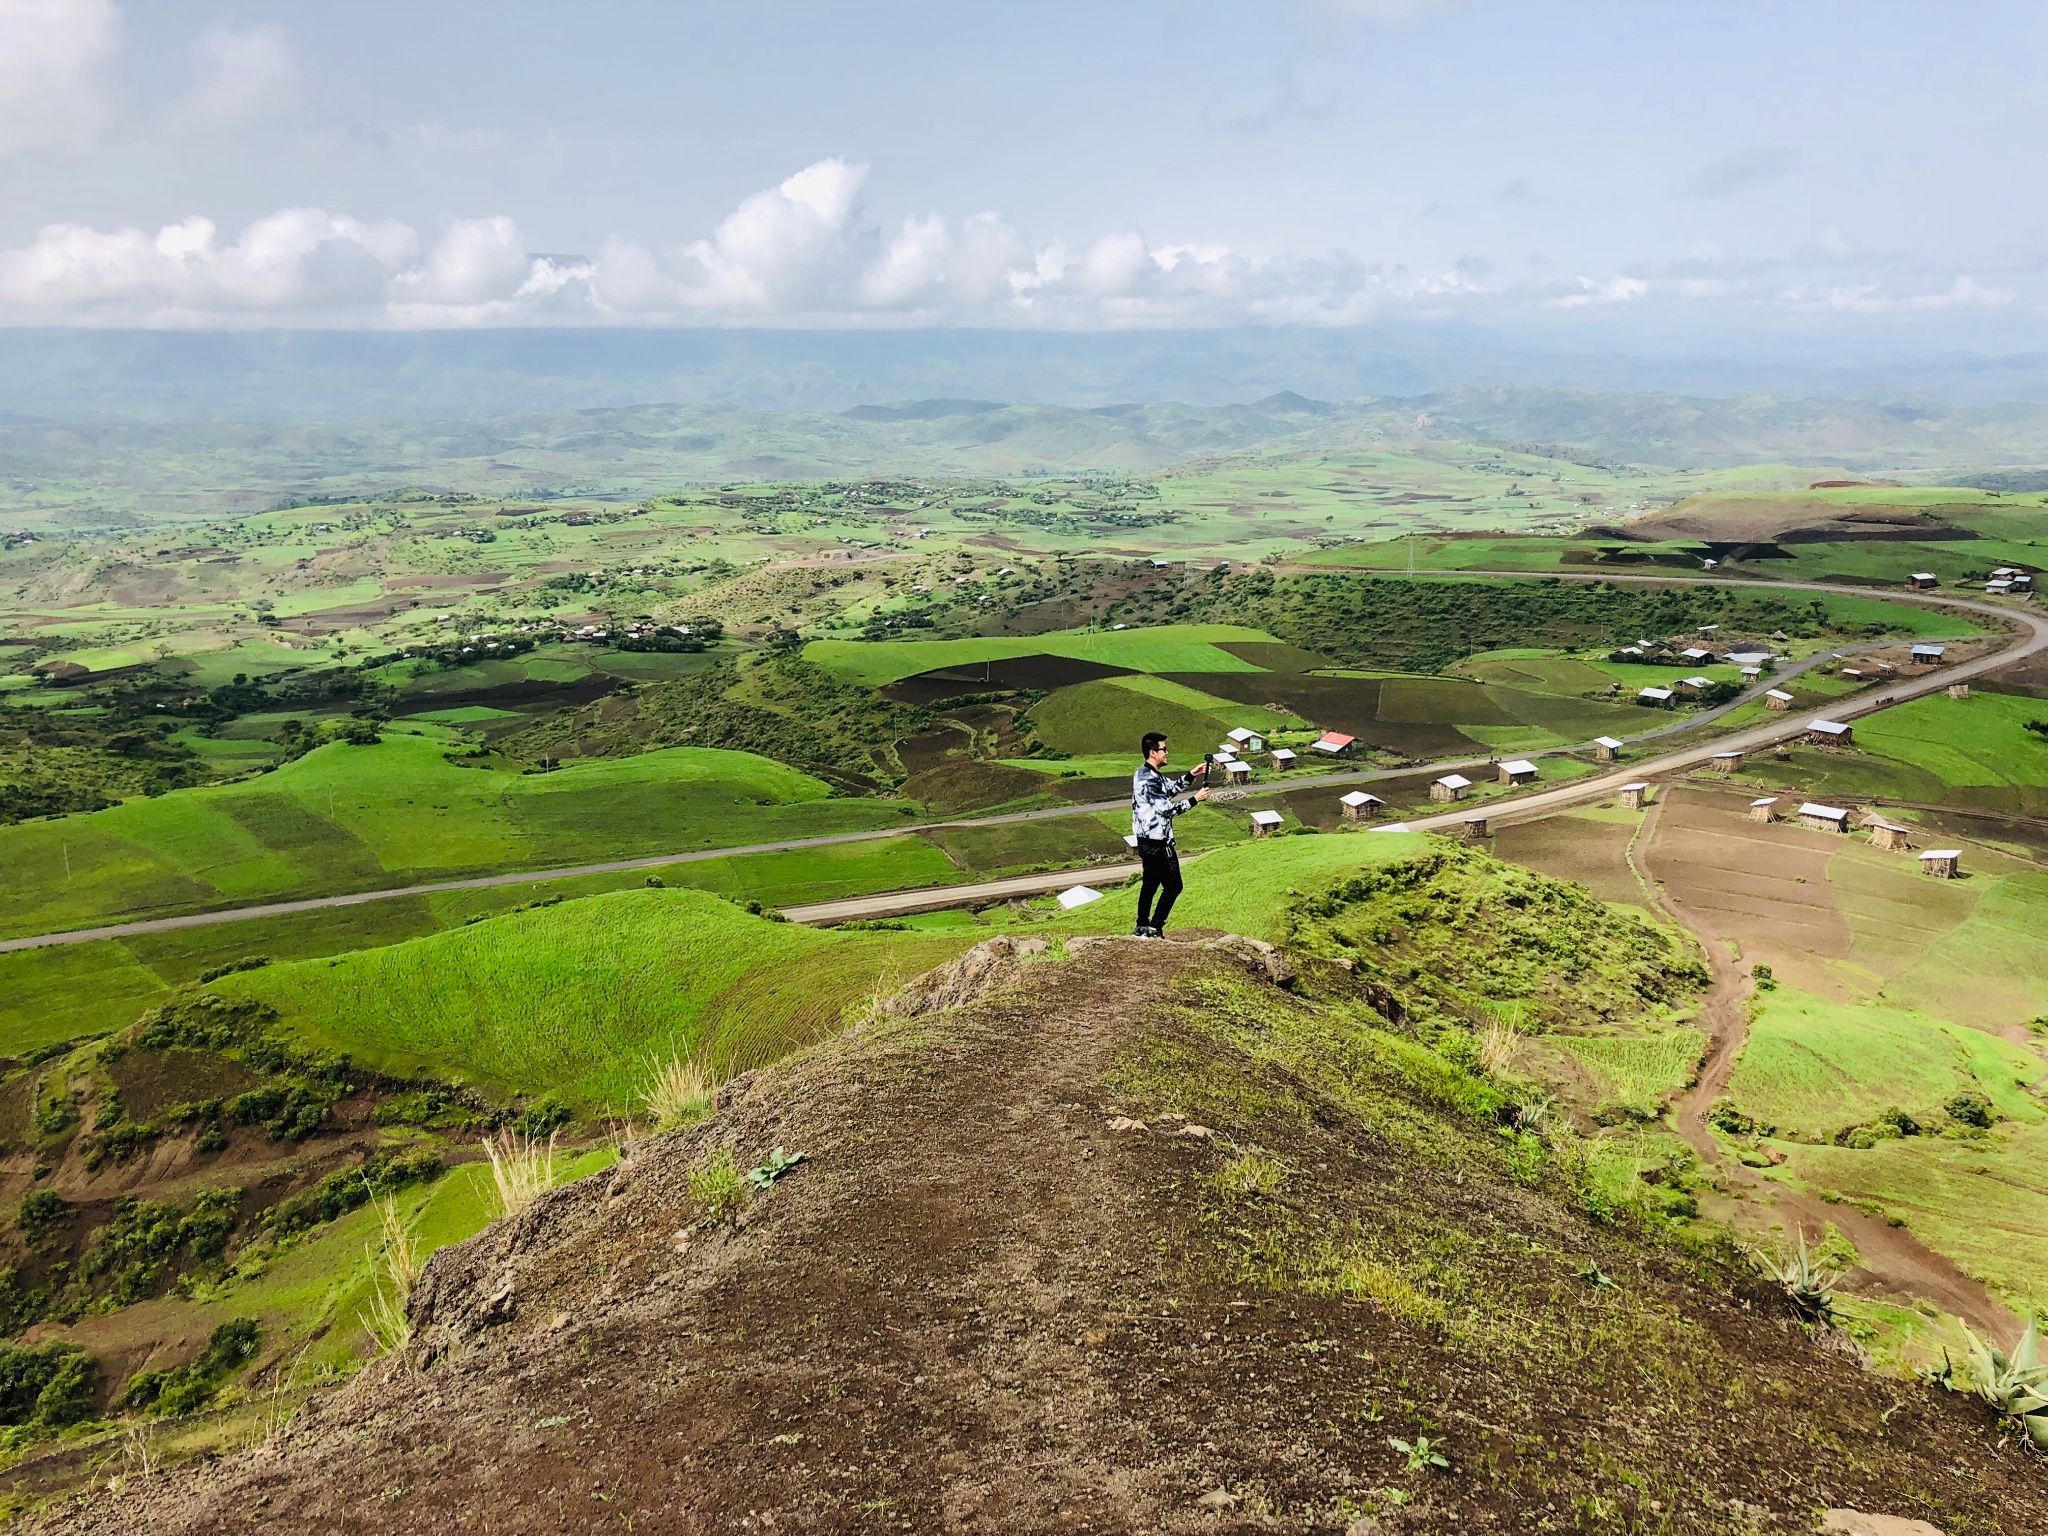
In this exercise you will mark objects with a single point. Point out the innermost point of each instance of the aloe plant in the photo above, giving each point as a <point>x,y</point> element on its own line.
<point>2015,1384</point>
<point>1807,1281</point>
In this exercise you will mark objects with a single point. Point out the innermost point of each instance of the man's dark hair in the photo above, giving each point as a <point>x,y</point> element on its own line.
<point>1152,742</point>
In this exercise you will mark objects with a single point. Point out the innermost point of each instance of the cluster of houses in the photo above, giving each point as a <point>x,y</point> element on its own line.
<point>2006,581</point>
<point>1943,863</point>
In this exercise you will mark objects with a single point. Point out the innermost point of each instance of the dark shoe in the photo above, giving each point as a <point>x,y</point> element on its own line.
<point>1143,931</point>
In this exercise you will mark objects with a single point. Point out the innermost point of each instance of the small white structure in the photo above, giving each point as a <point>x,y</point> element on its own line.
<point>1777,699</point>
<point>1475,829</point>
<point>1829,733</point>
<point>1886,834</point>
<point>1248,741</point>
<point>1765,809</point>
<point>1078,896</point>
<point>1924,581</point>
<point>1691,686</point>
<point>1751,674</point>
<point>1633,796</point>
<point>1726,762</point>
<point>1695,655</point>
<point>1658,697</point>
<point>1520,771</point>
<point>2007,570</point>
<point>1237,773</point>
<point>1283,759</point>
<point>1265,823</point>
<point>1395,826</point>
<point>1823,818</point>
<point>1944,863</point>
<point>1959,690</point>
<point>1927,655</point>
<point>1336,743</point>
<point>1606,749</point>
<point>1452,786</point>
<point>1997,588</point>
<point>1359,806</point>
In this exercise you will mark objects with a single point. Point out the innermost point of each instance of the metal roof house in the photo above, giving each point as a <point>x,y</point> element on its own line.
<point>1829,733</point>
<point>1520,771</point>
<point>1778,699</point>
<point>1336,743</point>
<point>1943,863</point>
<point>1726,762</point>
<point>1283,758</point>
<point>1633,796</point>
<point>1692,685</point>
<point>1823,818</point>
<point>1452,786</point>
<point>1926,655</point>
<point>1886,835</point>
<point>1248,740</point>
<point>1265,823</point>
<point>1238,772</point>
<point>1359,806</point>
<point>1924,581</point>
<point>1658,697</point>
<point>1765,809</point>
<point>1606,749</point>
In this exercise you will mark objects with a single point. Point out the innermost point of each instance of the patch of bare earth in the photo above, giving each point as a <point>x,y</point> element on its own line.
<point>1002,1295</point>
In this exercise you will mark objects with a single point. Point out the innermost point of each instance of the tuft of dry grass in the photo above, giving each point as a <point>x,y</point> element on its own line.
<point>679,1093</point>
<point>522,1170</point>
<point>393,1271</point>
<point>1498,1049</point>
<point>1253,1171</point>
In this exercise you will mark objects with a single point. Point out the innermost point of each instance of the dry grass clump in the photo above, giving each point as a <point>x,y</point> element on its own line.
<point>522,1170</point>
<point>1498,1048</point>
<point>679,1093</point>
<point>1253,1171</point>
<point>396,1266</point>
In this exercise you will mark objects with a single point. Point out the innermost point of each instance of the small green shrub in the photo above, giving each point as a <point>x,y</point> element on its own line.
<point>188,1388</point>
<point>46,1386</point>
<point>40,1210</point>
<point>716,1186</point>
<point>1970,1108</point>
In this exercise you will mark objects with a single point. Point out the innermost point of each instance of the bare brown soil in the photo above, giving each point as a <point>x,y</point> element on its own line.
<point>1008,1291</point>
<point>1046,673</point>
<point>1593,853</point>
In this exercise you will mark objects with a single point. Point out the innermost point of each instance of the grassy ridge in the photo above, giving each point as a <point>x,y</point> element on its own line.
<point>1641,1073</point>
<point>577,998</point>
<point>1164,648</point>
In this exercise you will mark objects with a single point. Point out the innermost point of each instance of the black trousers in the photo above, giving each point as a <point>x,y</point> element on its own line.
<point>1162,881</point>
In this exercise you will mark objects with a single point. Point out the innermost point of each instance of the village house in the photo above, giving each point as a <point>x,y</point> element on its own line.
<point>1237,772</point>
<point>1520,771</point>
<point>1633,796</point>
<point>1997,588</point>
<point>1829,733</point>
<point>1855,672</point>
<point>1823,818</point>
<point>1695,655</point>
<point>1886,835</point>
<point>1265,823</point>
<point>1927,655</point>
<point>1452,786</point>
<point>1359,806</point>
<point>1765,809</point>
<point>1943,863</point>
<point>1475,829</point>
<point>1923,581</point>
<point>1727,762</point>
<point>1248,741</point>
<point>1606,749</point>
<point>1777,699</point>
<point>1750,675</point>
<point>1283,759</point>
<point>1656,698</point>
<point>1333,742</point>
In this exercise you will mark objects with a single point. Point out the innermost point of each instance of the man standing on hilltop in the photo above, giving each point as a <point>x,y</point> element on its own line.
<point>1155,802</point>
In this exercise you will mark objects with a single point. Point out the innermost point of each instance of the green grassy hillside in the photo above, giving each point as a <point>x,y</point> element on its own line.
<point>1164,648</point>
<point>353,818</point>
<point>578,998</point>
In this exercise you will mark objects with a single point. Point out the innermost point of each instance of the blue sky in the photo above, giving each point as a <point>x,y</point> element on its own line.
<point>1635,172</point>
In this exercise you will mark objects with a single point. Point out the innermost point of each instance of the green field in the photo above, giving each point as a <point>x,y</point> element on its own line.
<point>1979,740</point>
<point>352,818</point>
<point>578,998</point>
<point>1637,1073</point>
<point>1166,648</point>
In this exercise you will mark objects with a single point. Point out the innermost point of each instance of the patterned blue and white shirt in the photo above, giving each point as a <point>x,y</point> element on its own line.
<point>1155,801</point>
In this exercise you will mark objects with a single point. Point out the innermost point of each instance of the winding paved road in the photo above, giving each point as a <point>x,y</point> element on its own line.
<point>2032,640</point>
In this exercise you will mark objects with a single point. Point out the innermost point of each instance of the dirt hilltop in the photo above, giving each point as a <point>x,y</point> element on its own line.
<point>1139,1237</point>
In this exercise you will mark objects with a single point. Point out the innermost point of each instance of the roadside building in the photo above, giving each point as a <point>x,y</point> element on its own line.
<point>1237,772</point>
<point>1520,771</point>
<point>1959,690</point>
<point>1855,672</point>
<point>1726,762</point>
<point>1634,796</point>
<point>1335,743</point>
<point>1265,823</point>
<point>1359,806</point>
<point>1777,699</point>
<point>1765,809</point>
<point>1829,733</point>
<point>1923,581</point>
<point>1943,863</point>
<point>1475,829</point>
<point>1750,675</point>
<point>1997,588</point>
<point>1247,740</point>
<point>1283,759</point>
<point>1693,687</point>
<point>1886,835</point>
<point>1927,655</point>
<point>1655,698</point>
<point>1823,818</point>
<point>1606,749</point>
<point>1452,786</point>
<point>1697,655</point>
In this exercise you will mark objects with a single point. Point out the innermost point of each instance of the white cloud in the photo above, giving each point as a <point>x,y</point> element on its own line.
<point>1616,290</point>
<point>476,261</point>
<point>241,75</point>
<point>1873,299</point>
<point>780,249</point>
<point>53,60</point>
